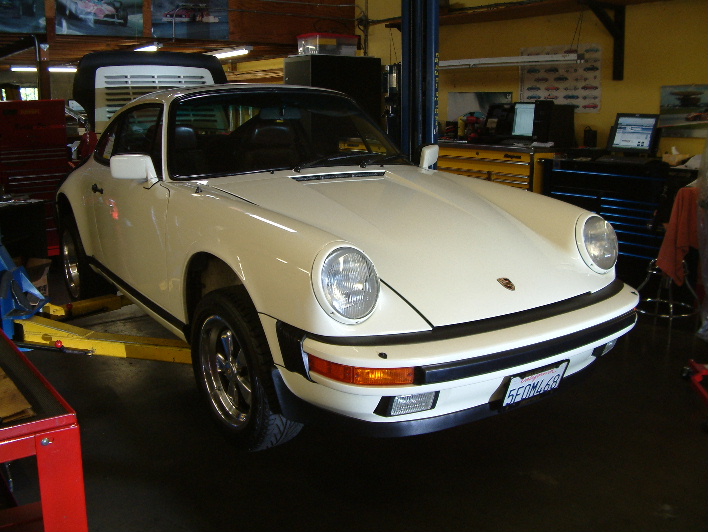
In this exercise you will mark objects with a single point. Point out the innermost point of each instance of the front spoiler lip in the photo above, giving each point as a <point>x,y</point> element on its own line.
<point>504,360</point>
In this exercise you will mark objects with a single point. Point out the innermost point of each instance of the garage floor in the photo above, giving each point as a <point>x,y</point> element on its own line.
<point>622,451</point>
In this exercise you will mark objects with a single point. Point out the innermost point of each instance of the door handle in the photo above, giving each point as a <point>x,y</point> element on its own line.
<point>94,189</point>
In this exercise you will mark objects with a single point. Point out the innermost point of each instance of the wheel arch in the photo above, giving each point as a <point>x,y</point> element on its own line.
<point>64,211</point>
<point>205,273</point>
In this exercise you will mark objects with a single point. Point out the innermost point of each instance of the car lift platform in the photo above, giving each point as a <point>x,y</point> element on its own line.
<point>47,331</point>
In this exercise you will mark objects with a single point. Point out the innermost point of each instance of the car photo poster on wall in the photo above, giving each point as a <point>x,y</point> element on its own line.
<point>120,18</point>
<point>190,20</point>
<point>22,16</point>
<point>684,111</point>
<point>575,84</point>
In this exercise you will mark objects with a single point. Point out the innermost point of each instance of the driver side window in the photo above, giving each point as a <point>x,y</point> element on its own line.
<point>136,131</point>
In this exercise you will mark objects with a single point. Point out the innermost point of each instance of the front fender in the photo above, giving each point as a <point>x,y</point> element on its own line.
<point>273,256</point>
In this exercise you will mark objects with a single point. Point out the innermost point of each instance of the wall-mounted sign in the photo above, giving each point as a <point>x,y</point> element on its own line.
<point>575,84</point>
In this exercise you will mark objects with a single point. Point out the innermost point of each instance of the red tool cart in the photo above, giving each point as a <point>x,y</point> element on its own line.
<point>34,158</point>
<point>47,429</point>
<point>696,373</point>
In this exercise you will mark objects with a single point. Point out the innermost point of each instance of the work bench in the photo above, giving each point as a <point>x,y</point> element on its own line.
<point>49,431</point>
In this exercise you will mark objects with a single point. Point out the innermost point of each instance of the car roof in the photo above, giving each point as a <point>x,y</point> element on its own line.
<point>168,95</point>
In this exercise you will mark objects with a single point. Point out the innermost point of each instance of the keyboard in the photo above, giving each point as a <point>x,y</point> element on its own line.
<point>623,159</point>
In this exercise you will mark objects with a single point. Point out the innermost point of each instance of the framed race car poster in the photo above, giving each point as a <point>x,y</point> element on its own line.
<point>22,16</point>
<point>177,19</point>
<point>120,18</point>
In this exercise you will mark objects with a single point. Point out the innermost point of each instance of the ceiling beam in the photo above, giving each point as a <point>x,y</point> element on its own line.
<point>615,25</point>
<point>21,44</point>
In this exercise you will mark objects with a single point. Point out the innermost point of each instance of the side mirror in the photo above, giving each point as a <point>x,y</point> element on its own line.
<point>429,156</point>
<point>133,166</point>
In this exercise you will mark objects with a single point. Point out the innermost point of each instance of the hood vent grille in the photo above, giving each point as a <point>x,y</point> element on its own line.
<point>347,175</point>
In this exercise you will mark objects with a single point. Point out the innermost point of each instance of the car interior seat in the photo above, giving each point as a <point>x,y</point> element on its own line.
<point>269,144</point>
<point>186,158</point>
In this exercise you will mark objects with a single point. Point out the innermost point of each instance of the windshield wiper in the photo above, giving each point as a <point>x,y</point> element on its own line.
<point>326,158</point>
<point>382,158</point>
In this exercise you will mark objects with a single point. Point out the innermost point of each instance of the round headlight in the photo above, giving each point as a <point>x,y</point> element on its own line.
<point>597,243</point>
<point>347,285</point>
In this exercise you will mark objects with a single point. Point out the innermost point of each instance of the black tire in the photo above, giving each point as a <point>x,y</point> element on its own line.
<point>122,16</point>
<point>81,281</point>
<point>231,363</point>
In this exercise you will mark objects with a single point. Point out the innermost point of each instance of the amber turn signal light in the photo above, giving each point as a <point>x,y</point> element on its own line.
<point>361,376</point>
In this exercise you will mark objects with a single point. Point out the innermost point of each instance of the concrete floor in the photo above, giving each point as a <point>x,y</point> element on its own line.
<point>620,451</point>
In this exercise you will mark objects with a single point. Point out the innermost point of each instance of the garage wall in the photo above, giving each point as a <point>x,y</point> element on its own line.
<point>666,44</point>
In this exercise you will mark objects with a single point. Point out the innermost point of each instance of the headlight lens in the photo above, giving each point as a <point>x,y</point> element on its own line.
<point>349,284</point>
<point>597,242</point>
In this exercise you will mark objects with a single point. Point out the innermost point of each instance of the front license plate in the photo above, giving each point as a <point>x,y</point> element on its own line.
<point>534,383</point>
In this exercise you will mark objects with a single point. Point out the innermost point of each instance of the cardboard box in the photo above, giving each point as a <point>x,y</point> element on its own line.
<point>674,159</point>
<point>37,271</point>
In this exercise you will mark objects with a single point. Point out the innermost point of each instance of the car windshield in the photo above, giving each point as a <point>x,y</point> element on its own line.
<point>240,132</point>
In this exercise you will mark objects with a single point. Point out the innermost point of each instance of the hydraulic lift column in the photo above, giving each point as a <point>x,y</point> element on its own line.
<point>419,73</point>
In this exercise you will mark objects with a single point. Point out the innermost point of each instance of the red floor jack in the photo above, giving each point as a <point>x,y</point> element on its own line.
<point>696,372</point>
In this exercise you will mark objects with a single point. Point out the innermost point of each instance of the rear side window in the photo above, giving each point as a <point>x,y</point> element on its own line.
<point>136,131</point>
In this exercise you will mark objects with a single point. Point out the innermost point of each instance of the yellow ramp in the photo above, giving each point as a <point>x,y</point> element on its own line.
<point>41,331</point>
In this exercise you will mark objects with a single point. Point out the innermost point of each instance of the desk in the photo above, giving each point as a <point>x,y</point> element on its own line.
<point>52,435</point>
<point>681,234</point>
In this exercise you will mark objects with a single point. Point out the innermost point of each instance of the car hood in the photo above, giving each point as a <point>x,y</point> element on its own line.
<point>446,250</point>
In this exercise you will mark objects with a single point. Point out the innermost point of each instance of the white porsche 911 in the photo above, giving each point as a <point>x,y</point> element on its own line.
<point>321,277</point>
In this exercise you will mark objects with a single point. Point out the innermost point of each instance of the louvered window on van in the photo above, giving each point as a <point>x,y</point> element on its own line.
<point>118,85</point>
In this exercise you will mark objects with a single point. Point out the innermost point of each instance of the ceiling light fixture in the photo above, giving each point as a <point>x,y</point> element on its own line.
<point>149,48</point>
<point>521,60</point>
<point>65,69</point>
<point>231,52</point>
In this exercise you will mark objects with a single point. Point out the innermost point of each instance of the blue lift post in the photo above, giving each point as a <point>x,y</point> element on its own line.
<point>19,298</point>
<point>419,72</point>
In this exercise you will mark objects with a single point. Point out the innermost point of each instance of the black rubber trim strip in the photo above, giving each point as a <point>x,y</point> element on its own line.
<point>169,318</point>
<point>503,360</point>
<point>482,326</point>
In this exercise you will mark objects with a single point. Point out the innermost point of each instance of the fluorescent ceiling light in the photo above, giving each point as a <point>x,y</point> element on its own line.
<point>149,48</point>
<point>51,69</point>
<point>231,52</point>
<point>521,60</point>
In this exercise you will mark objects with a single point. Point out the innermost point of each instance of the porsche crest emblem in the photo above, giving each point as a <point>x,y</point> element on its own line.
<point>506,283</point>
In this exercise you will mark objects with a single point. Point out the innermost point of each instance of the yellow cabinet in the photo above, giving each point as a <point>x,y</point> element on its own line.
<point>510,165</point>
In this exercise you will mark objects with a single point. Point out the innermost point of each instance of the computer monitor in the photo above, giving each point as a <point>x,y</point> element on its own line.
<point>499,121</point>
<point>635,134</point>
<point>523,120</point>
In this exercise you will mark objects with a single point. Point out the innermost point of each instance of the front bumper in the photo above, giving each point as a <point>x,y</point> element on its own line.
<point>468,368</point>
